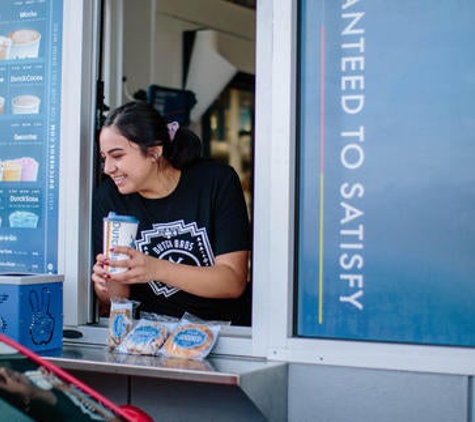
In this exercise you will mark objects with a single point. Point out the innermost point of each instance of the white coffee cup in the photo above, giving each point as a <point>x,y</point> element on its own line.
<point>26,104</point>
<point>25,43</point>
<point>118,230</point>
<point>2,104</point>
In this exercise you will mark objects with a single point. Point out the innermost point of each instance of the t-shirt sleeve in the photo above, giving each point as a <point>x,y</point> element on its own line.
<point>231,219</point>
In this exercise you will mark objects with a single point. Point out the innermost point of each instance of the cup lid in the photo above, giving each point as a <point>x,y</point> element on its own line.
<point>112,216</point>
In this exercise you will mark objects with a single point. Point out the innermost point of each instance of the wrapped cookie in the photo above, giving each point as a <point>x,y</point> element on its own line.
<point>120,321</point>
<point>193,338</point>
<point>148,335</point>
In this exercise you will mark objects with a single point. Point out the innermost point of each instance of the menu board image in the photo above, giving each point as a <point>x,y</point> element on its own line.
<point>386,233</point>
<point>30,92</point>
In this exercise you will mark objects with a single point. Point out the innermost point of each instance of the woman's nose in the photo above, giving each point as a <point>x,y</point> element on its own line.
<point>109,166</point>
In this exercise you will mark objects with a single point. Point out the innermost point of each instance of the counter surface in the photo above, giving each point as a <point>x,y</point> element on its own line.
<point>214,369</point>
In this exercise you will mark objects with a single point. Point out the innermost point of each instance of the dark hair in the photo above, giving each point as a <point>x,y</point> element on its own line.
<point>141,124</point>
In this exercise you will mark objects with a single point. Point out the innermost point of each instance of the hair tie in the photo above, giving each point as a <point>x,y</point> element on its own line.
<point>172,129</point>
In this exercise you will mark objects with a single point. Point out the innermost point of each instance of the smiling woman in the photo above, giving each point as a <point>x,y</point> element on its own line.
<point>193,239</point>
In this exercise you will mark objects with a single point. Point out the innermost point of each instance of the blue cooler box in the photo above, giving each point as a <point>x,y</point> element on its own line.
<point>31,309</point>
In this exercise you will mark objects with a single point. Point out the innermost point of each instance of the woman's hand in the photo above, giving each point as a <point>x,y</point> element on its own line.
<point>100,275</point>
<point>140,267</point>
<point>225,279</point>
<point>104,287</point>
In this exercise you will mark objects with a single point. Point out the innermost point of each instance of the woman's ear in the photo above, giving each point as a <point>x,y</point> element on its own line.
<point>155,152</point>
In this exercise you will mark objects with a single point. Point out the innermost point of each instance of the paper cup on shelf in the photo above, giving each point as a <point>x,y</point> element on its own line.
<point>5,47</point>
<point>118,230</point>
<point>25,44</point>
<point>26,104</point>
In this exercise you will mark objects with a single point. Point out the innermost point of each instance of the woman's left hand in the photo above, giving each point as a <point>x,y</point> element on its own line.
<point>225,279</point>
<point>140,267</point>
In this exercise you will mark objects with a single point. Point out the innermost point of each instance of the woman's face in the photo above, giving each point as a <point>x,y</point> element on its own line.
<point>13,381</point>
<point>125,163</point>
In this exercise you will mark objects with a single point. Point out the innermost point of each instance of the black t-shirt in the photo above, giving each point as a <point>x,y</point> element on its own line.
<point>205,216</point>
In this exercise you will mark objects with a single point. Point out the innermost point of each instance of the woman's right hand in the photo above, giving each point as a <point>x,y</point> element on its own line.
<point>103,286</point>
<point>99,275</point>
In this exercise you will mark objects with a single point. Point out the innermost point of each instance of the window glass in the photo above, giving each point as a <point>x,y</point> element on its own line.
<point>386,181</point>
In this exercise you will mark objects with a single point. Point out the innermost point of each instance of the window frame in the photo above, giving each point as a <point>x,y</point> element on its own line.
<point>277,201</point>
<point>271,335</point>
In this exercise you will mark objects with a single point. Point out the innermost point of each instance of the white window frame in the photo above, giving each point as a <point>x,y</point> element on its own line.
<point>275,216</point>
<point>274,205</point>
<point>78,97</point>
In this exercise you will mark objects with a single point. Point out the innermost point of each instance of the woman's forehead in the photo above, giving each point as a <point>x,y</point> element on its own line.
<point>112,139</point>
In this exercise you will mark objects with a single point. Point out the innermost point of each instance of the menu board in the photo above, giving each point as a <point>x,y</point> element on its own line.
<point>30,92</point>
<point>386,227</point>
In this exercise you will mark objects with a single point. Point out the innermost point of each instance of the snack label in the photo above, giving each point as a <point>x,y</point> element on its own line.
<point>119,230</point>
<point>119,325</point>
<point>144,334</point>
<point>190,338</point>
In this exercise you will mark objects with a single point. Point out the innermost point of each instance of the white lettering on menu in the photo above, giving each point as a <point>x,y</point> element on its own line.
<point>352,155</point>
<point>29,14</point>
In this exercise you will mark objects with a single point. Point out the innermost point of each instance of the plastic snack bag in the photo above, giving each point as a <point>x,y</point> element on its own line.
<point>193,338</point>
<point>148,335</point>
<point>120,321</point>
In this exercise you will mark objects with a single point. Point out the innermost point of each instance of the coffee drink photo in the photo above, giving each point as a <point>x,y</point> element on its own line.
<point>25,43</point>
<point>26,104</point>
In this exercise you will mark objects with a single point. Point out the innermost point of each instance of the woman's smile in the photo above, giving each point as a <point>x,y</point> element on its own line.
<point>118,180</point>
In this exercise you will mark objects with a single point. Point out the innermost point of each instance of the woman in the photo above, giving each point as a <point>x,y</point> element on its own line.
<point>193,241</point>
<point>17,389</point>
<point>44,397</point>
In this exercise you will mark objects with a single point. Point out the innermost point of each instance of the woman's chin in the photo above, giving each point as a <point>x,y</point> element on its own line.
<point>123,189</point>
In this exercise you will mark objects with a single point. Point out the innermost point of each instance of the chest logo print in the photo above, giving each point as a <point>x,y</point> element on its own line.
<point>179,243</point>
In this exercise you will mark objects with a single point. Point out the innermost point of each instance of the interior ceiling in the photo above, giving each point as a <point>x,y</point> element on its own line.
<point>251,4</point>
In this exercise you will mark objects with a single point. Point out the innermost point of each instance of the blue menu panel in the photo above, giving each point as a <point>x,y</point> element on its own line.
<point>386,227</point>
<point>30,92</point>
